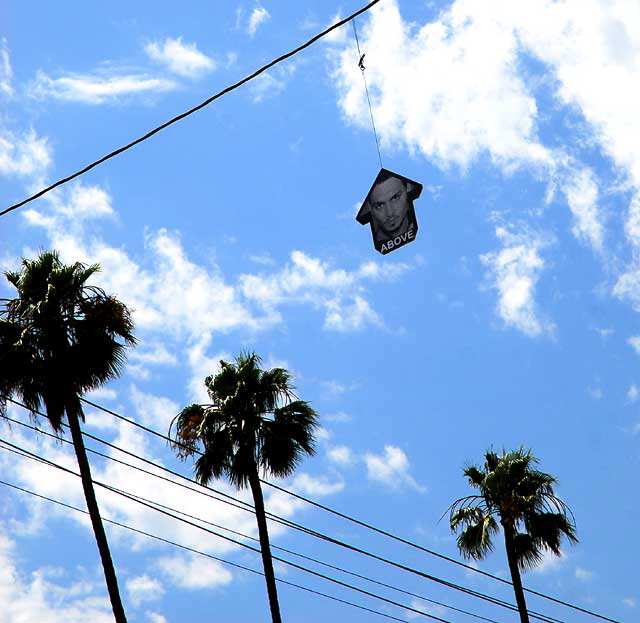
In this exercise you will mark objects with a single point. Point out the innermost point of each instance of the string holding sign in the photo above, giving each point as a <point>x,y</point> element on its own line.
<point>366,89</point>
<point>388,207</point>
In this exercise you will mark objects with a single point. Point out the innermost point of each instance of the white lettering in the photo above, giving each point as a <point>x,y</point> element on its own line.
<point>384,247</point>
<point>410,234</point>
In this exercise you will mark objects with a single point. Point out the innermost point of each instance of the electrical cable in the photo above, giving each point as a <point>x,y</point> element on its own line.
<point>226,538</point>
<point>463,589</point>
<point>369,526</point>
<point>181,116</point>
<point>201,553</point>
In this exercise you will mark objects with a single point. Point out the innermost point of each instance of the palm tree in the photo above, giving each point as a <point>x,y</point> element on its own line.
<point>59,339</point>
<point>521,499</point>
<point>254,423</point>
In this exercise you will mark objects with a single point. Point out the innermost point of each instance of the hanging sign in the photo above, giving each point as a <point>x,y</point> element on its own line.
<point>388,208</point>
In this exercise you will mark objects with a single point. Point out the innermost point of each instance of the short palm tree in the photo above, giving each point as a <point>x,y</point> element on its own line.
<point>520,498</point>
<point>59,339</point>
<point>254,424</point>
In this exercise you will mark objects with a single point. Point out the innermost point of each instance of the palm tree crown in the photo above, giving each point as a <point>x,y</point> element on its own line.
<point>253,421</point>
<point>59,337</point>
<point>521,499</point>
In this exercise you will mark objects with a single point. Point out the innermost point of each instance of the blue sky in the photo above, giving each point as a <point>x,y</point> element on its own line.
<point>512,319</point>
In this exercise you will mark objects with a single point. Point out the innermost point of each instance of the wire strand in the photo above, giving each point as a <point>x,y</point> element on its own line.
<point>201,553</point>
<point>366,90</point>
<point>314,533</point>
<point>370,526</point>
<point>185,114</point>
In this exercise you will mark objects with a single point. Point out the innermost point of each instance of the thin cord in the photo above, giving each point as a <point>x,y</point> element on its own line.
<point>366,90</point>
<point>226,538</point>
<point>190,111</point>
<point>364,524</point>
<point>291,524</point>
<point>201,553</point>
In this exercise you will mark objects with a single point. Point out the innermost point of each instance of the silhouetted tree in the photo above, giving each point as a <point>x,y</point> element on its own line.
<point>254,423</point>
<point>520,498</point>
<point>59,339</point>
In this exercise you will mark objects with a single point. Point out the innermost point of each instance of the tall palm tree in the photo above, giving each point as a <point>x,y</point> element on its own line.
<point>521,498</point>
<point>59,339</point>
<point>254,424</point>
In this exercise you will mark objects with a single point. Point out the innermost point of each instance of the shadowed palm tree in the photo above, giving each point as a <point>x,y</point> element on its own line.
<point>254,423</point>
<point>520,498</point>
<point>59,339</point>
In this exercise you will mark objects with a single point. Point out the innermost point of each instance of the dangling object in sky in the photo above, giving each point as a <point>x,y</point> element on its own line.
<point>389,209</point>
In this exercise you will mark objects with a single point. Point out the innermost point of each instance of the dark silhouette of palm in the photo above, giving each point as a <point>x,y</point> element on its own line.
<point>59,339</point>
<point>254,424</point>
<point>521,499</point>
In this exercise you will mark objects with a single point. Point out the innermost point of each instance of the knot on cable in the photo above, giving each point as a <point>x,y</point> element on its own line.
<point>361,62</point>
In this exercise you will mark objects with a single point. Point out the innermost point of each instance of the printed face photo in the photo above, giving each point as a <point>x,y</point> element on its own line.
<point>389,211</point>
<point>390,208</point>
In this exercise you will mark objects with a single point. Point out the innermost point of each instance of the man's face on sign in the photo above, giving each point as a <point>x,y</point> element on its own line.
<point>390,207</point>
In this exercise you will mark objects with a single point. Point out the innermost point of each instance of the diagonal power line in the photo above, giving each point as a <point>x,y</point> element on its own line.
<point>185,114</point>
<point>289,523</point>
<point>367,525</point>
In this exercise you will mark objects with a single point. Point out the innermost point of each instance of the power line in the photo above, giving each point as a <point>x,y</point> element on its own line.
<point>201,553</point>
<point>324,537</point>
<point>365,524</point>
<point>246,536</point>
<point>181,116</point>
<point>226,538</point>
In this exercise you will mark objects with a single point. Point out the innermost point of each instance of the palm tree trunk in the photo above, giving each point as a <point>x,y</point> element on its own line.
<point>515,574</point>
<point>73,412</point>
<point>267,562</point>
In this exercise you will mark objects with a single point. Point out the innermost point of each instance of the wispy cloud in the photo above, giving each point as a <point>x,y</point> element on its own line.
<point>183,59</point>
<point>514,271</point>
<point>6,72</point>
<point>99,87</point>
<point>391,469</point>
<point>24,154</point>
<point>258,16</point>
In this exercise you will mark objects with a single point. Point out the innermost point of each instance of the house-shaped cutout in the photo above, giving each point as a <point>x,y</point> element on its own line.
<point>388,208</point>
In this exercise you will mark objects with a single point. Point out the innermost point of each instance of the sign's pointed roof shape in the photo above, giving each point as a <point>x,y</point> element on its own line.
<point>414,189</point>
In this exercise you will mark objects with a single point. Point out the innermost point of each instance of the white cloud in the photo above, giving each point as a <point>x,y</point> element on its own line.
<point>6,72</point>
<point>426,607</point>
<point>153,353</point>
<point>97,88</point>
<point>339,417</point>
<point>391,468</point>
<point>271,83</point>
<point>258,16</point>
<point>155,617</point>
<point>457,88</point>
<point>34,596</point>
<point>634,342</point>
<point>514,272</point>
<point>550,562</point>
<point>630,602</point>
<point>582,196</point>
<point>449,89</point>
<point>183,59</point>
<point>342,455</point>
<point>194,572</point>
<point>153,411</point>
<point>143,588</point>
<point>632,393</point>
<point>583,574</point>
<point>316,486</point>
<point>338,292</point>
<point>24,155</point>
